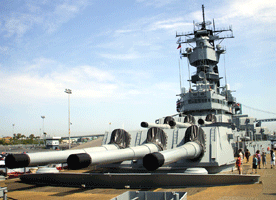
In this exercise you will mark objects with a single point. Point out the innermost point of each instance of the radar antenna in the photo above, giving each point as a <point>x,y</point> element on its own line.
<point>203,23</point>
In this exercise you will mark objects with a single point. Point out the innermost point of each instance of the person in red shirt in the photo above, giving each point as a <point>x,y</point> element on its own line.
<point>238,164</point>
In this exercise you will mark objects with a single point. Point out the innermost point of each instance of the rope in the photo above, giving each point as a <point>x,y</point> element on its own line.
<point>259,110</point>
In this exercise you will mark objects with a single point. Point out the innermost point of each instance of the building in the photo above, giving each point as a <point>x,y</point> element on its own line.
<point>52,142</point>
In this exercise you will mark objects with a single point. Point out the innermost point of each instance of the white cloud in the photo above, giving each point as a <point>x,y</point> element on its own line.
<point>246,13</point>
<point>4,50</point>
<point>167,24</point>
<point>21,21</point>
<point>142,38</point>
<point>40,63</point>
<point>86,82</point>
<point>262,11</point>
<point>155,23</point>
<point>98,74</point>
<point>127,56</point>
<point>30,86</point>
<point>155,3</point>
<point>62,13</point>
<point>122,31</point>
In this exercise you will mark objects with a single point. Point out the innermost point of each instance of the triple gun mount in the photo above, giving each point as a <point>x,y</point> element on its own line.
<point>152,151</point>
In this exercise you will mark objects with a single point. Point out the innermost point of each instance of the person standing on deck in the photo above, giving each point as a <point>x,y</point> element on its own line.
<point>272,154</point>
<point>264,159</point>
<point>258,155</point>
<point>247,155</point>
<point>254,164</point>
<point>241,155</point>
<point>238,163</point>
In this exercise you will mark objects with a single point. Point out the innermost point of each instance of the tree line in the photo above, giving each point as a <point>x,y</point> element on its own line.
<point>21,139</point>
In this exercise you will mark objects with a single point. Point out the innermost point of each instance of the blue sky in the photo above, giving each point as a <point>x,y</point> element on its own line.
<point>120,60</point>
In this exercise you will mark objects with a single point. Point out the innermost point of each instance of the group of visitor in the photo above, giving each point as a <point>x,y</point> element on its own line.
<point>258,158</point>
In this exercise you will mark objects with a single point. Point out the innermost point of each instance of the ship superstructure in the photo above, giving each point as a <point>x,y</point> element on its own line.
<point>206,96</point>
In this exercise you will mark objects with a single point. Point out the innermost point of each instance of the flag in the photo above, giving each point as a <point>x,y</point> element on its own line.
<point>179,46</point>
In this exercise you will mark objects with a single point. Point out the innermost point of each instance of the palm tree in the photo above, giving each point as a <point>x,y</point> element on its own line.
<point>32,136</point>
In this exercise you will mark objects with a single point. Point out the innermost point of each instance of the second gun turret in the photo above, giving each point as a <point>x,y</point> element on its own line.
<point>193,148</point>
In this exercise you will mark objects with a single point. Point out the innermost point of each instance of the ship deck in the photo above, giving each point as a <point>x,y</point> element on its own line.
<point>266,189</point>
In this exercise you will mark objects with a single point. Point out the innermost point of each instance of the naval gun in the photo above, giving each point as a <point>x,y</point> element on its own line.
<point>170,123</point>
<point>44,158</point>
<point>193,148</point>
<point>156,139</point>
<point>119,140</point>
<point>172,155</point>
<point>117,150</point>
<point>172,144</point>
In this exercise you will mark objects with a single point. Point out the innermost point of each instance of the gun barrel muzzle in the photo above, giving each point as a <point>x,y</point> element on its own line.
<point>190,150</point>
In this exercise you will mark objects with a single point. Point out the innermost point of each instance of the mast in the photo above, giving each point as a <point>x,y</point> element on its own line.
<point>203,23</point>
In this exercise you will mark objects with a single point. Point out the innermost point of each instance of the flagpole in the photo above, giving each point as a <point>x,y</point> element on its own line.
<point>180,76</point>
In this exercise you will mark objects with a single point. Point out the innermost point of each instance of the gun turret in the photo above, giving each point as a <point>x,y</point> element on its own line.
<point>156,141</point>
<point>193,148</point>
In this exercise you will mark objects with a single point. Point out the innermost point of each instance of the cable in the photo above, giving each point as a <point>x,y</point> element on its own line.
<point>259,110</point>
<point>189,73</point>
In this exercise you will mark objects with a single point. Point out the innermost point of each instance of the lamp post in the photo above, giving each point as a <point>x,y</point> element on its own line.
<point>43,117</point>
<point>69,91</point>
<point>13,128</point>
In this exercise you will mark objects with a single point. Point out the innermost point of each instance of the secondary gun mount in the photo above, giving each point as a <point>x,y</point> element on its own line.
<point>170,123</point>
<point>210,119</point>
<point>193,148</point>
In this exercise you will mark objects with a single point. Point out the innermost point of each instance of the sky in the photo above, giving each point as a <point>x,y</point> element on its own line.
<point>121,61</point>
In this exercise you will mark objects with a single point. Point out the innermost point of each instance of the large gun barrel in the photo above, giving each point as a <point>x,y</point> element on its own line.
<point>82,160</point>
<point>202,122</point>
<point>193,148</point>
<point>43,158</point>
<point>179,124</point>
<point>119,139</point>
<point>190,150</point>
<point>156,141</point>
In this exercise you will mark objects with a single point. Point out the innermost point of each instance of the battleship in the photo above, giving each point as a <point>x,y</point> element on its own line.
<point>189,148</point>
